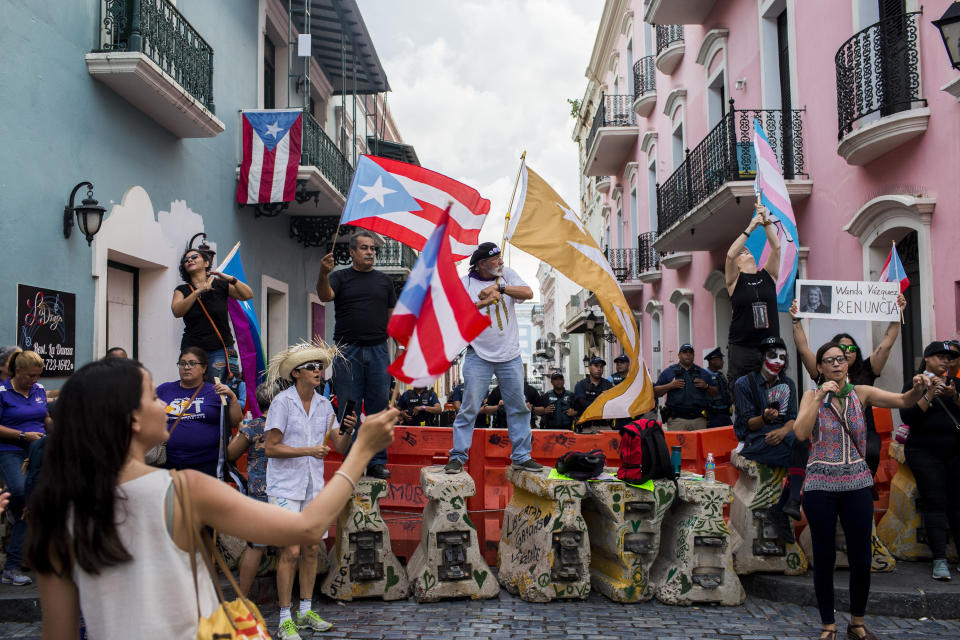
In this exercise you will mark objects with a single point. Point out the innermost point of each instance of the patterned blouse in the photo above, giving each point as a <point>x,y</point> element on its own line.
<point>835,464</point>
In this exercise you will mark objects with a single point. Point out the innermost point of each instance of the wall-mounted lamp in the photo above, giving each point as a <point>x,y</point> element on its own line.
<point>949,26</point>
<point>89,214</point>
<point>204,247</point>
<point>586,361</point>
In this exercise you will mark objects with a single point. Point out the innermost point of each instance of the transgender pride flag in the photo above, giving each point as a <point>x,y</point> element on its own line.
<point>772,190</point>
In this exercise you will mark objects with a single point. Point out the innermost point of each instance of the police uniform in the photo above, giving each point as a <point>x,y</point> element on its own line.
<point>583,395</point>
<point>721,407</point>
<point>411,399</point>
<point>686,408</point>
<point>560,402</point>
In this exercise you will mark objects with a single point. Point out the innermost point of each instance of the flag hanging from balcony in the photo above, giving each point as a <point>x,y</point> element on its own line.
<point>545,227</point>
<point>406,202</point>
<point>772,191</point>
<point>271,155</point>
<point>243,317</point>
<point>434,318</point>
<point>893,270</point>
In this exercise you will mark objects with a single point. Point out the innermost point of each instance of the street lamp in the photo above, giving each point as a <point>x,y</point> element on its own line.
<point>949,27</point>
<point>89,214</point>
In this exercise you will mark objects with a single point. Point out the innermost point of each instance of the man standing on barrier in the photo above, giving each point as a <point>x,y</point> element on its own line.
<point>689,389</point>
<point>557,411</point>
<point>363,301</point>
<point>587,390</point>
<point>494,288</point>
<point>721,405</point>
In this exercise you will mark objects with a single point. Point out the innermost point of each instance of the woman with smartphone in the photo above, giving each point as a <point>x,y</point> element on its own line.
<point>838,482</point>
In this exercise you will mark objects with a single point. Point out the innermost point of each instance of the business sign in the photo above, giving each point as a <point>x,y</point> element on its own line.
<point>46,324</point>
<point>874,301</point>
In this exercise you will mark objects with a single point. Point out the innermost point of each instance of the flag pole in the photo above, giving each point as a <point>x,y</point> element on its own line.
<point>516,181</point>
<point>893,251</point>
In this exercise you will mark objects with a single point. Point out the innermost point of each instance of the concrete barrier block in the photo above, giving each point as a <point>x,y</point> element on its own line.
<point>881,562</point>
<point>448,563</point>
<point>544,545</point>
<point>362,564</point>
<point>901,527</point>
<point>755,545</point>
<point>624,527</point>
<point>695,563</point>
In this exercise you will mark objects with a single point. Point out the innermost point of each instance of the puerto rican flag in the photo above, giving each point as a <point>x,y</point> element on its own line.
<point>772,190</point>
<point>434,318</point>
<point>406,202</point>
<point>271,155</point>
<point>893,270</point>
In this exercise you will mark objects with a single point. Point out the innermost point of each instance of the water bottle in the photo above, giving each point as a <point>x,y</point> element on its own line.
<point>710,469</point>
<point>676,459</point>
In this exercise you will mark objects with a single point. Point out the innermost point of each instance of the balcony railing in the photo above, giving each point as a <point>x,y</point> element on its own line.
<point>878,71</point>
<point>726,154</point>
<point>614,111</point>
<point>156,29</point>
<point>644,77</point>
<point>320,151</point>
<point>394,254</point>
<point>667,34</point>
<point>649,258</point>
<point>628,264</point>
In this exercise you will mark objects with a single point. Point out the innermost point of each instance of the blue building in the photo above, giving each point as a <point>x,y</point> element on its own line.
<point>143,99</point>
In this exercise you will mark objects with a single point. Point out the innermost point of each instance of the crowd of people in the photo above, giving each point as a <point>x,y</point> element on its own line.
<point>98,553</point>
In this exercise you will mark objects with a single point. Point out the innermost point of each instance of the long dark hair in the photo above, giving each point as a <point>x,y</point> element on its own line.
<point>853,368</point>
<point>82,459</point>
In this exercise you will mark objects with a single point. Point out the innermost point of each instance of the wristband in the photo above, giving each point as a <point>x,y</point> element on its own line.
<point>796,321</point>
<point>746,233</point>
<point>346,477</point>
<point>234,281</point>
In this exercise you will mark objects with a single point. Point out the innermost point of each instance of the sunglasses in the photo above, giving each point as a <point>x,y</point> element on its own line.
<point>195,256</point>
<point>849,348</point>
<point>311,366</point>
<point>834,360</point>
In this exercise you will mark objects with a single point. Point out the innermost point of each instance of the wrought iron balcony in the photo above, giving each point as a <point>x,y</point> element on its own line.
<point>878,72</point>
<point>628,264</point>
<point>667,34</point>
<point>644,77</point>
<point>156,29</point>
<point>723,164</point>
<point>320,151</point>
<point>649,258</point>
<point>616,118</point>
<point>393,255</point>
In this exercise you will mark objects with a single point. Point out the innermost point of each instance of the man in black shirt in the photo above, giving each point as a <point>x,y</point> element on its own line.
<point>721,405</point>
<point>587,391</point>
<point>557,410</point>
<point>494,405</point>
<point>689,389</point>
<point>420,406</point>
<point>363,301</point>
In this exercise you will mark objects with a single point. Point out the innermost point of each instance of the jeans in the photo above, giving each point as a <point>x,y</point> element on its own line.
<point>361,375</point>
<point>10,464</point>
<point>938,483</point>
<point>217,368</point>
<point>855,509</point>
<point>477,374</point>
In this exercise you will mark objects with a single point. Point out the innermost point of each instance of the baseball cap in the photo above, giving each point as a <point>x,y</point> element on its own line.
<point>485,250</point>
<point>716,353</point>
<point>686,346</point>
<point>772,342</point>
<point>598,360</point>
<point>622,358</point>
<point>938,348</point>
<point>555,375</point>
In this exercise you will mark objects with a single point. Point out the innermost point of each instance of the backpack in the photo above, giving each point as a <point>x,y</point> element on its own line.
<point>582,466</point>
<point>644,454</point>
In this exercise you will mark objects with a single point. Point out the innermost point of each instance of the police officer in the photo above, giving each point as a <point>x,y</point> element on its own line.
<point>493,406</point>
<point>689,389</point>
<point>420,406</point>
<point>587,391</point>
<point>621,364</point>
<point>557,411</point>
<point>721,405</point>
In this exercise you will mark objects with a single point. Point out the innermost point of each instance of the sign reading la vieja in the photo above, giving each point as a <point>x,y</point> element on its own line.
<point>46,324</point>
<point>873,301</point>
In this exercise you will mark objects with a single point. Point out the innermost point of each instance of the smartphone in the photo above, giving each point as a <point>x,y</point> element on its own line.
<point>774,405</point>
<point>349,408</point>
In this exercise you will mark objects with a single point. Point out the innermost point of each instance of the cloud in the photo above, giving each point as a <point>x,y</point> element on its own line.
<point>474,84</point>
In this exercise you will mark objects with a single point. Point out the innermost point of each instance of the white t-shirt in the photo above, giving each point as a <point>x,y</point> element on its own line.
<point>288,477</point>
<point>500,342</point>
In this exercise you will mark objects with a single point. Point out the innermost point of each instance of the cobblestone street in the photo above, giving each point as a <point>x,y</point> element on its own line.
<point>595,619</point>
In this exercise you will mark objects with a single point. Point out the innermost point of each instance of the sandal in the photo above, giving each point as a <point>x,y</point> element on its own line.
<point>828,634</point>
<point>867,635</point>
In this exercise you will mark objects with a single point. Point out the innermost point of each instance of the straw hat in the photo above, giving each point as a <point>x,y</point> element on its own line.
<point>282,365</point>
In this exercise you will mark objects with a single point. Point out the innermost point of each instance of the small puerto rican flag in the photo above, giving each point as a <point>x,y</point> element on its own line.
<point>893,270</point>
<point>271,155</point>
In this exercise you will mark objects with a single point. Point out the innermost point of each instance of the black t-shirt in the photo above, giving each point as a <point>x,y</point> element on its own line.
<point>530,395</point>
<point>934,428</point>
<point>752,288</point>
<point>411,399</point>
<point>361,303</point>
<point>197,330</point>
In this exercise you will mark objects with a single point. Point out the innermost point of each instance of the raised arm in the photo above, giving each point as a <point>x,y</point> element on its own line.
<point>731,271</point>
<point>324,291</point>
<point>807,356</point>
<point>883,399</point>
<point>878,359</point>
<point>772,265</point>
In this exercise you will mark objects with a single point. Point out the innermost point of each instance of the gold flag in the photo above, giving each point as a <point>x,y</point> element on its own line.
<point>545,227</point>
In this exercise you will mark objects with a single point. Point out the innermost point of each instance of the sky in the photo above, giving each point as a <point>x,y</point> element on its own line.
<point>476,82</point>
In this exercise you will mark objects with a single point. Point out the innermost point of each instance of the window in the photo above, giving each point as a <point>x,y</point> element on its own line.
<point>634,221</point>
<point>275,310</point>
<point>716,98</point>
<point>684,330</point>
<point>652,190</point>
<point>676,141</point>
<point>655,336</point>
<point>269,74</point>
<point>630,88</point>
<point>316,317</point>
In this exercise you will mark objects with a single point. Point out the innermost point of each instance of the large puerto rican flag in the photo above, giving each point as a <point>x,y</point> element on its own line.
<point>434,318</point>
<point>406,202</point>
<point>271,155</point>
<point>772,190</point>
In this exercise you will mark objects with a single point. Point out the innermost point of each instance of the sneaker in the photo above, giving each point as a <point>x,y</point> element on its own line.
<point>454,466</point>
<point>530,465</point>
<point>14,577</point>
<point>792,509</point>
<point>288,631</point>
<point>941,570</point>
<point>378,471</point>
<point>311,620</point>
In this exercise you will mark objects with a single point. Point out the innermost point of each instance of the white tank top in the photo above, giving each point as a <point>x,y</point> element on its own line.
<point>151,596</point>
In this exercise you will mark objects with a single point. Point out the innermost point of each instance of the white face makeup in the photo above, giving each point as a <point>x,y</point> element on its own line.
<point>774,360</point>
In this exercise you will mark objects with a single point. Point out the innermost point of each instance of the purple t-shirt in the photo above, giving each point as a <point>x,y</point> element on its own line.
<point>22,413</point>
<point>196,439</point>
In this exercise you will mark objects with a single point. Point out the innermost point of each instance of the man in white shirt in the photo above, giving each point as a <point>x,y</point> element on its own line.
<point>496,351</point>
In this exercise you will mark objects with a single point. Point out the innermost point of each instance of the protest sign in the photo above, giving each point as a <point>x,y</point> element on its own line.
<point>873,301</point>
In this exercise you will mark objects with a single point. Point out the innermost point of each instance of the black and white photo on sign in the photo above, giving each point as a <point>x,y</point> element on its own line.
<point>814,298</point>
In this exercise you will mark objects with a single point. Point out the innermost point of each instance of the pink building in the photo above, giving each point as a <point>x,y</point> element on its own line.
<point>861,105</point>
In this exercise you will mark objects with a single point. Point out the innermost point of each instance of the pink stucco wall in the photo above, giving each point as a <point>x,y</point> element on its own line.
<point>931,162</point>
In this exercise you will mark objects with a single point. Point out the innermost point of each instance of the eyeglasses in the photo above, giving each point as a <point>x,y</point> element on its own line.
<point>188,365</point>
<point>832,360</point>
<point>311,366</point>
<point>849,348</point>
<point>195,256</point>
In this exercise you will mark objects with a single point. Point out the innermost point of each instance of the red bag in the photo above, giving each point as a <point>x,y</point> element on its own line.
<point>644,454</point>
